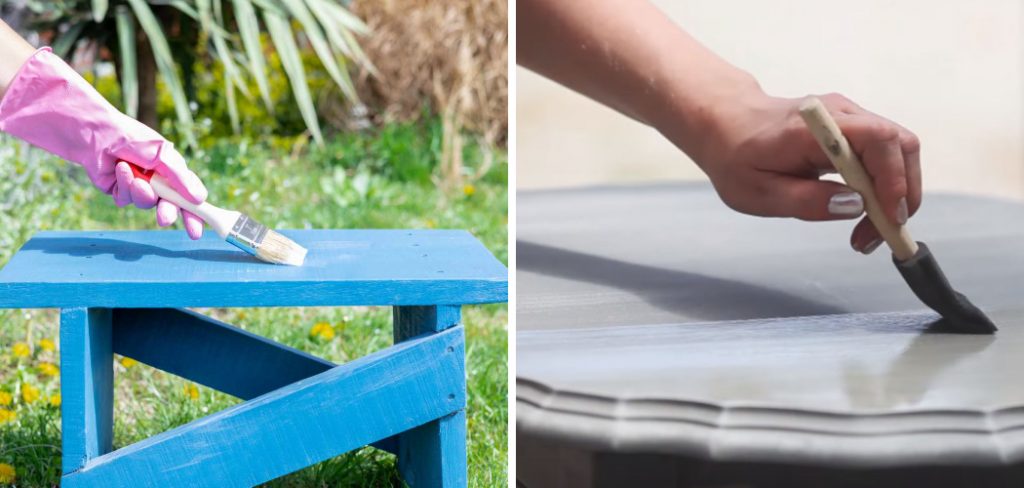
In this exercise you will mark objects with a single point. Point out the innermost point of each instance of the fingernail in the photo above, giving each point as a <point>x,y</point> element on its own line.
<point>901,211</point>
<point>846,204</point>
<point>870,248</point>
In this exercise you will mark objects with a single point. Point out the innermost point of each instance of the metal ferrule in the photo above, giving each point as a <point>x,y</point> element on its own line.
<point>247,234</point>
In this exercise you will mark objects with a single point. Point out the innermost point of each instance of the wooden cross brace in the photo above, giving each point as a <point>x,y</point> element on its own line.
<point>408,399</point>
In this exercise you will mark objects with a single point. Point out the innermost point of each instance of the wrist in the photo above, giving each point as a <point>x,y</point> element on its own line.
<point>702,122</point>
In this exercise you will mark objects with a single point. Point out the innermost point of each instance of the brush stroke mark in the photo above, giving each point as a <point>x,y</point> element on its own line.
<point>129,251</point>
<point>678,292</point>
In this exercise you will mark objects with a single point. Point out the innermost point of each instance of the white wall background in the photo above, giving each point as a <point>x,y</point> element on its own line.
<point>950,70</point>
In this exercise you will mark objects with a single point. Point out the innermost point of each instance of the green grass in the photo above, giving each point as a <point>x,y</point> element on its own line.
<point>380,180</point>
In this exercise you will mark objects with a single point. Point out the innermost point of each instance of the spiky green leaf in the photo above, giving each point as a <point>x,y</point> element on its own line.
<point>327,19</point>
<point>62,46</point>
<point>284,41</point>
<point>207,22</point>
<point>346,19</point>
<point>357,53</point>
<point>99,10</point>
<point>270,6</point>
<point>165,65</point>
<point>129,60</point>
<point>229,89</point>
<point>249,31</point>
<point>185,8</point>
<point>323,50</point>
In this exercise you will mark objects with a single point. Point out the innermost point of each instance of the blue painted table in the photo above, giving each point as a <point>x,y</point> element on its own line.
<point>126,293</point>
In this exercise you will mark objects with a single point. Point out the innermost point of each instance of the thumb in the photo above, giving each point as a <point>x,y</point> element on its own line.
<point>815,200</point>
<point>160,155</point>
<point>171,165</point>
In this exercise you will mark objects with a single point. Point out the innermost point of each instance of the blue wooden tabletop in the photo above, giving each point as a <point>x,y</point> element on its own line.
<point>166,269</point>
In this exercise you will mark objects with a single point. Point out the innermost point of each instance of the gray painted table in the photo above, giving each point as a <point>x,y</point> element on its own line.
<point>664,339</point>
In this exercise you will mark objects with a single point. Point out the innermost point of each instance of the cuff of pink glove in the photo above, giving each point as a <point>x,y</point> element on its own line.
<point>13,87</point>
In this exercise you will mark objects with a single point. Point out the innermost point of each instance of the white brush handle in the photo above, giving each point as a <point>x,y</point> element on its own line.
<point>218,219</point>
<point>835,145</point>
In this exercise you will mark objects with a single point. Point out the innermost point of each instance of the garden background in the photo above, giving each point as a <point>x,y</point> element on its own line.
<point>303,114</point>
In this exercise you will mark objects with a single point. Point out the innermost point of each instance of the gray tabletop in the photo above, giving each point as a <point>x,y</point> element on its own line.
<point>654,319</point>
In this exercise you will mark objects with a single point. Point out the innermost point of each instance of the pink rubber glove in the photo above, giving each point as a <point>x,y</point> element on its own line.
<point>50,106</point>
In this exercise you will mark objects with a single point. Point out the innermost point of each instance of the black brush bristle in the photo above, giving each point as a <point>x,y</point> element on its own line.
<point>928,282</point>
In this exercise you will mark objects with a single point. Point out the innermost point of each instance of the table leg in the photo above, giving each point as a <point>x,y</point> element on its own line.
<point>433,454</point>
<point>87,385</point>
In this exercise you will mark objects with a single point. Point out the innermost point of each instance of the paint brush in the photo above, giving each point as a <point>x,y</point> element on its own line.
<point>914,260</point>
<point>236,228</point>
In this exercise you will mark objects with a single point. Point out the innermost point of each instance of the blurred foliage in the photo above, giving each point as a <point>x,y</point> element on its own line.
<point>173,37</point>
<point>212,105</point>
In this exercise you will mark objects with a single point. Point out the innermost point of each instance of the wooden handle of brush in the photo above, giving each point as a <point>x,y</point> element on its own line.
<point>838,150</point>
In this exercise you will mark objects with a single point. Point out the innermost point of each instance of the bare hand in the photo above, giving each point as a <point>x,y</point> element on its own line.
<point>764,161</point>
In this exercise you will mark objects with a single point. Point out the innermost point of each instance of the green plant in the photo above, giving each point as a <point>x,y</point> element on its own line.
<point>213,111</point>
<point>161,36</point>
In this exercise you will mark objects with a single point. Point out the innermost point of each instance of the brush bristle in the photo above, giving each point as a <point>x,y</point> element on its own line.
<point>278,249</point>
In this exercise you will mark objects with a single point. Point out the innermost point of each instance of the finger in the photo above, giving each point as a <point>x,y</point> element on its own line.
<point>166,213</point>
<point>877,142</point>
<point>193,224</point>
<point>912,157</point>
<point>911,147</point>
<point>143,194</point>
<point>122,188</point>
<point>839,103</point>
<point>865,238</point>
<point>172,167</point>
<point>814,200</point>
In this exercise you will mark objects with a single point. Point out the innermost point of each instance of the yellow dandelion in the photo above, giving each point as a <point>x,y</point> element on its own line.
<point>47,345</point>
<point>55,400</point>
<point>7,416</point>
<point>6,398</point>
<point>21,349</point>
<point>322,330</point>
<point>29,393</point>
<point>468,190</point>
<point>7,474</point>
<point>128,362</point>
<point>191,391</point>
<point>430,223</point>
<point>49,369</point>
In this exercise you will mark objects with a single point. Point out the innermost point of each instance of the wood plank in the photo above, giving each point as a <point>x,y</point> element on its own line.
<point>214,354</point>
<point>293,427</point>
<point>433,454</point>
<point>409,322</point>
<point>165,269</point>
<point>210,352</point>
<point>87,385</point>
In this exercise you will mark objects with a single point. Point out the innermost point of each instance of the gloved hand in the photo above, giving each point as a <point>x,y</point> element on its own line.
<point>50,106</point>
